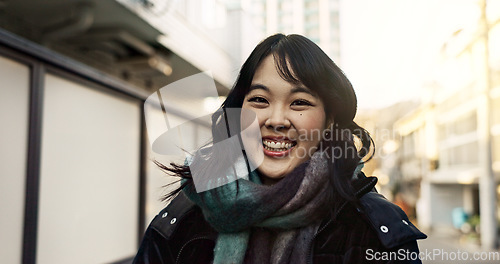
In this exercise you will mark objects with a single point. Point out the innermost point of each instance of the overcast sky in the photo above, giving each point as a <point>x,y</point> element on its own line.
<point>389,46</point>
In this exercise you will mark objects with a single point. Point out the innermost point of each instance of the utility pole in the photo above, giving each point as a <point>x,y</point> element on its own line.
<point>487,182</point>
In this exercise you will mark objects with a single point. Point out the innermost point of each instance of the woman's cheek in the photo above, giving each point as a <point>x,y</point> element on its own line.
<point>261,115</point>
<point>313,122</point>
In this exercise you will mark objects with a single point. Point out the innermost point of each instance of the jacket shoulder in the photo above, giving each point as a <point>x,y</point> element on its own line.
<point>173,231</point>
<point>167,221</point>
<point>390,222</point>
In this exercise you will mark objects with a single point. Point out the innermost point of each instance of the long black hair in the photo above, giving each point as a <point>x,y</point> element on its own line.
<point>299,60</point>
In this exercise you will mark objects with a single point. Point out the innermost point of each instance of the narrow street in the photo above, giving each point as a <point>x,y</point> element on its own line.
<point>445,247</point>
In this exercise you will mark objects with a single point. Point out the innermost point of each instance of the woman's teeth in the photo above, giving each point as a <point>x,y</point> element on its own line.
<point>277,146</point>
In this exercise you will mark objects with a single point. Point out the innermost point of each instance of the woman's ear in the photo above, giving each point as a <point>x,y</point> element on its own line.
<point>329,123</point>
<point>328,132</point>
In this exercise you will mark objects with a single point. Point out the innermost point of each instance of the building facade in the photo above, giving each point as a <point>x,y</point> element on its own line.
<point>316,19</point>
<point>451,140</point>
<point>77,182</point>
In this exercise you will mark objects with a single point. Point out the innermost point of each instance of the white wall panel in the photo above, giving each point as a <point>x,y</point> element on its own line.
<point>156,180</point>
<point>14,101</point>
<point>190,136</point>
<point>89,175</point>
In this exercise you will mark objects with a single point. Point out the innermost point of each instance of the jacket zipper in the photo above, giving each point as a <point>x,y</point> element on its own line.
<point>311,247</point>
<point>191,240</point>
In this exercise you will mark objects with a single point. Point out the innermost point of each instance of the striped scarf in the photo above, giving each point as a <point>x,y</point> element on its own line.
<point>268,224</point>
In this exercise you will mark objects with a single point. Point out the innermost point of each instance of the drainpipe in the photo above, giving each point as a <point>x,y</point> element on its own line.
<point>487,182</point>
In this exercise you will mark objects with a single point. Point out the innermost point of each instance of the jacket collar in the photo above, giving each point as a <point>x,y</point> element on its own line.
<point>363,184</point>
<point>167,221</point>
<point>388,220</point>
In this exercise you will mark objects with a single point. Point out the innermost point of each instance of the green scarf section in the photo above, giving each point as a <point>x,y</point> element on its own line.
<point>267,224</point>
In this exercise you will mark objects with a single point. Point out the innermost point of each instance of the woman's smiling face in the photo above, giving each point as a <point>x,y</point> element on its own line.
<point>291,119</point>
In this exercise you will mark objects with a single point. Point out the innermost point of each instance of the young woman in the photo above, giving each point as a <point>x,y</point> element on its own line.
<point>308,201</point>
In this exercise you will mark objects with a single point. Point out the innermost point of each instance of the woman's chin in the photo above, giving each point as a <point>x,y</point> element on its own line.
<point>277,164</point>
<point>274,170</point>
<point>270,180</point>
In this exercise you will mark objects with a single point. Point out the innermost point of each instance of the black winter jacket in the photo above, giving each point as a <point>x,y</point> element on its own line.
<point>372,230</point>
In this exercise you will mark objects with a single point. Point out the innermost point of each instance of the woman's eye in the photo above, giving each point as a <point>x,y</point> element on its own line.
<point>258,99</point>
<point>301,102</point>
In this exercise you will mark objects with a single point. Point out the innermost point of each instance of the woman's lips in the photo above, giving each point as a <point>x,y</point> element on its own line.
<point>277,147</point>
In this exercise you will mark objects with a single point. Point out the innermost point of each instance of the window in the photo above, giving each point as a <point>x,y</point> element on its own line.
<point>89,180</point>
<point>14,101</point>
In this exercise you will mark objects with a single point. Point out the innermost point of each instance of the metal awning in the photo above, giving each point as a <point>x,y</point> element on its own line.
<point>117,37</point>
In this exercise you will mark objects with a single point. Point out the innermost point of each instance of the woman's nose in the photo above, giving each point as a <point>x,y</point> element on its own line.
<point>278,119</point>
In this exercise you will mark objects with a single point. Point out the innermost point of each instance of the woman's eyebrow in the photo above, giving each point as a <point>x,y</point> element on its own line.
<point>258,86</point>
<point>301,89</point>
<point>296,89</point>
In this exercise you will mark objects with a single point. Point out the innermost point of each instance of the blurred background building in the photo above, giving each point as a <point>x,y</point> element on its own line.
<point>442,162</point>
<point>77,184</point>
<point>317,19</point>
